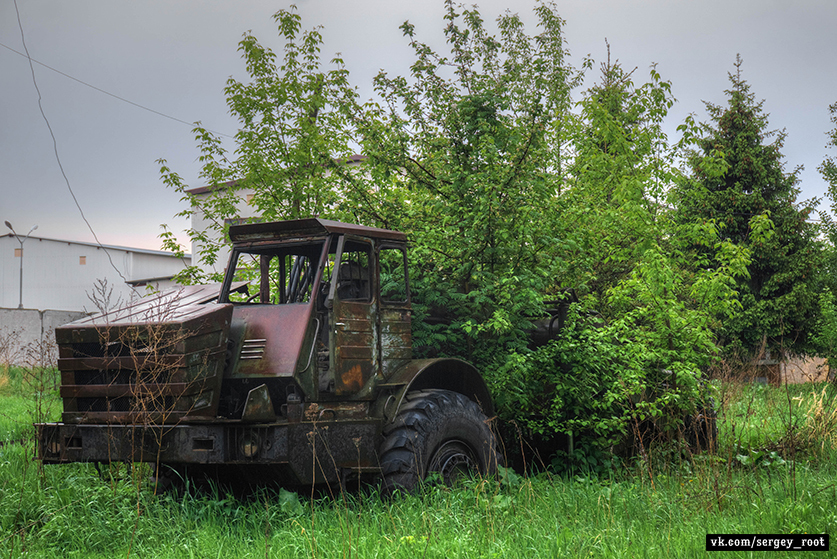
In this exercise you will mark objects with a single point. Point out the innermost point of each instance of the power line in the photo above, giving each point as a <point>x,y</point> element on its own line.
<point>55,149</point>
<point>100,90</point>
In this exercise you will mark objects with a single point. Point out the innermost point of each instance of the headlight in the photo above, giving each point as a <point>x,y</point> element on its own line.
<point>249,445</point>
<point>53,447</point>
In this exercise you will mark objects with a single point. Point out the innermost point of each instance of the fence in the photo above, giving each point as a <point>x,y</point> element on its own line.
<point>22,328</point>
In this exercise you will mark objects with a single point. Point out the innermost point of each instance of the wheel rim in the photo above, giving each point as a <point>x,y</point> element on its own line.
<point>453,460</point>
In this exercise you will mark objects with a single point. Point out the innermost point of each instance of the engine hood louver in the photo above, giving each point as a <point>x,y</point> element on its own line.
<point>253,348</point>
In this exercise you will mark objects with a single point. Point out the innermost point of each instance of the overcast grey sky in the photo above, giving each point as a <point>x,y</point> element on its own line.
<point>175,57</point>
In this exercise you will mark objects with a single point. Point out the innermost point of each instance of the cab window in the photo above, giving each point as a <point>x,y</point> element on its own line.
<point>275,276</point>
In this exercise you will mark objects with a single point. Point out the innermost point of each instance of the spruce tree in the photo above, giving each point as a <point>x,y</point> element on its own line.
<point>828,170</point>
<point>739,182</point>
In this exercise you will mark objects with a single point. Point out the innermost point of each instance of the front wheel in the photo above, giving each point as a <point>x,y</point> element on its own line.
<point>436,431</point>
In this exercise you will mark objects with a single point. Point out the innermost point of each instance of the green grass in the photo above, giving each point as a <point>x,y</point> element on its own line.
<point>797,417</point>
<point>662,506</point>
<point>26,398</point>
<point>14,414</point>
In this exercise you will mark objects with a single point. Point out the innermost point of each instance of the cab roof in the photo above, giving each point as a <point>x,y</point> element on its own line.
<point>311,227</point>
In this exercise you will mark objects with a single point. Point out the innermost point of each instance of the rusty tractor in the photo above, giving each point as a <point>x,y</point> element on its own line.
<point>298,368</point>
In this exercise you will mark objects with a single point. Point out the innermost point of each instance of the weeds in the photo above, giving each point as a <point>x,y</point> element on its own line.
<point>773,472</point>
<point>512,516</point>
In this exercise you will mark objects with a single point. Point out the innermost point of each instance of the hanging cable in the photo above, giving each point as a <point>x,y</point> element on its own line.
<point>58,158</point>
<point>100,90</point>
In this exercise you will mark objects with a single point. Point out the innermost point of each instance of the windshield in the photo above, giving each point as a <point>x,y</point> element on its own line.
<point>273,275</point>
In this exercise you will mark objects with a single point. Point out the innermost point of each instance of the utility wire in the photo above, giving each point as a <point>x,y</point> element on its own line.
<point>100,90</point>
<point>55,149</point>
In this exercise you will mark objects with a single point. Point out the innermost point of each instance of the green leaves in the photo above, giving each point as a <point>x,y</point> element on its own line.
<point>292,146</point>
<point>828,169</point>
<point>468,137</point>
<point>738,182</point>
<point>581,383</point>
<point>510,193</point>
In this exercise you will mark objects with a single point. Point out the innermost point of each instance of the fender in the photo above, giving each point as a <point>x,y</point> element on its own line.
<point>444,373</point>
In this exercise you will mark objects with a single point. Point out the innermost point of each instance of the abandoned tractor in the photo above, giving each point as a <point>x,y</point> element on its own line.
<point>297,368</point>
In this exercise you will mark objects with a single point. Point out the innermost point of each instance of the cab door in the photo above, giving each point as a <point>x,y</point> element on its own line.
<point>353,335</point>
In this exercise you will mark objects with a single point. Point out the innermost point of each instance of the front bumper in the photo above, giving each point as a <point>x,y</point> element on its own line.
<point>312,452</point>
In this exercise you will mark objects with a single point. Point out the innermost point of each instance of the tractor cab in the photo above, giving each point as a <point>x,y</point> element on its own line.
<point>326,303</point>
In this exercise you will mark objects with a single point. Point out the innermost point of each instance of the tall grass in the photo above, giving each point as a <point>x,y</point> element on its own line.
<point>774,472</point>
<point>23,399</point>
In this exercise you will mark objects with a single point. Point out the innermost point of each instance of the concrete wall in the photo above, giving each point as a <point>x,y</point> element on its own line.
<point>28,334</point>
<point>792,370</point>
<point>804,369</point>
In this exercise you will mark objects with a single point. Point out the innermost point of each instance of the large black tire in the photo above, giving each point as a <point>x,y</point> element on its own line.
<point>436,431</point>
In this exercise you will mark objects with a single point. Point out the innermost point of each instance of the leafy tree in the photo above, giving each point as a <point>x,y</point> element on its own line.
<point>618,178</point>
<point>752,200</point>
<point>641,277</point>
<point>828,169</point>
<point>474,137</point>
<point>627,256</point>
<point>293,138</point>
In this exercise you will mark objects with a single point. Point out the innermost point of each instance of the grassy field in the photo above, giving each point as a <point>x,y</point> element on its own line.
<point>774,473</point>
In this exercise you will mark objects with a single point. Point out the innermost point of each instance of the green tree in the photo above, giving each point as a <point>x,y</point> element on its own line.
<point>614,203</point>
<point>828,169</point>
<point>825,338</point>
<point>633,261</point>
<point>628,258</point>
<point>474,136</point>
<point>292,143</point>
<point>753,202</point>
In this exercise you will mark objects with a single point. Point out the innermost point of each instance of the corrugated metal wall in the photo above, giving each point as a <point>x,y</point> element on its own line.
<point>62,275</point>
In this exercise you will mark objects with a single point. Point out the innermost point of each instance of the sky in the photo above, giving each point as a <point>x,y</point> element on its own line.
<point>174,58</point>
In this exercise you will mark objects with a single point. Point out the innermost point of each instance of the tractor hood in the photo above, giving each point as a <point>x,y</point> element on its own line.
<point>158,359</point>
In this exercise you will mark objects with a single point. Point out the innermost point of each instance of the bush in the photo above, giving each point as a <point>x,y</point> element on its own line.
<point>587,387</point>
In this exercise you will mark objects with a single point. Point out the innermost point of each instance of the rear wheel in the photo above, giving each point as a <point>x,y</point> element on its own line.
<point>436,431</point>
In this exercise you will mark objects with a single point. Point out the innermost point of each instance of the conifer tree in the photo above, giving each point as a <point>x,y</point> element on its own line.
<point>739,183</point>
<point>828,169</point>
<point>825,337</point>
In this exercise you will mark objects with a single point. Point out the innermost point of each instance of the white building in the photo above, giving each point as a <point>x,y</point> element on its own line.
<point>244,212</point>
<point>62,275</point>
<point>201,223</point>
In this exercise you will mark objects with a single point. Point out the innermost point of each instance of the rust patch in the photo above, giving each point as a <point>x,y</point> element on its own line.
<point>351,410</point>
<point>258,406</point>
<point>352,379</point>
